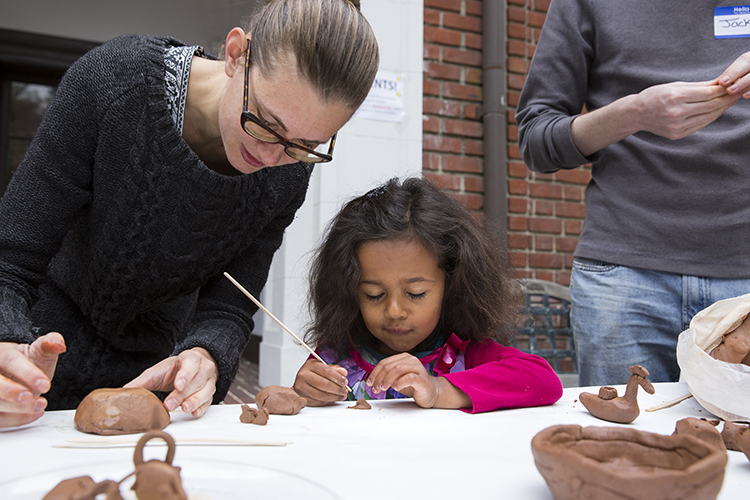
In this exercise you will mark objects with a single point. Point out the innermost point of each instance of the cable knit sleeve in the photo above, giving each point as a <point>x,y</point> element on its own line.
<point>499,377</point>
<point>47,191</point>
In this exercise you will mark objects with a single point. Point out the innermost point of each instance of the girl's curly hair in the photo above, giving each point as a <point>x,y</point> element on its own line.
<point>481,299</point>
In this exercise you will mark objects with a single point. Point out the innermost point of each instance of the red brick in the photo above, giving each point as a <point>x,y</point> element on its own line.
<point>536,19</point>
<point>517,169</point>
<point>474,184</point>
<point>439,143</point>
<point>517,187</point>
<point>473,111</point>
<point>518,223</point>
<point>547,260</point>
<point>431,51</point>
<point>462,23</point>
<point>466,128</point>
<point>442,36</point>
<point>573,226</point>
<point>519,240</point>
<point>544,275</point>
<point>441,107</point>
<point>518,65</point>
<point>432,16</point>
<point>444,181</point>
<point>572,193</point>
<point>516,15</point>
<point>465,57</point>
<point>517,31</point>
<point>473,41</point>
<point>473,147</point>
<point>519,259</point>
<point>461,164</point>
<point>459,91</point>
<point>576,210</point>
<point>470,201</point>
<point>537,225</point>
<point>430,161</point>
<point>452,5</point>
<point>544,243</point>
<point>565,243</point>
<point>473,7</point>
<point>545,190</point>
<point>541,5</point>
<point>473,75</point>
<point>430,87</point>
<point>442,71</point>
<point>518,205</point>
<point>516,81</point>
<point>544,207</point>
<point>431,124</point>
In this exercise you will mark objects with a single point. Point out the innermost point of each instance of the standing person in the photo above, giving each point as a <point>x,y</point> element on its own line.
<point>149,176</point>
<point>412,297</point>
<point>666,232</point>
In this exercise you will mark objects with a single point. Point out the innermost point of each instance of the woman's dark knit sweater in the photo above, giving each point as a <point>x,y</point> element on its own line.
<point>115,234</point>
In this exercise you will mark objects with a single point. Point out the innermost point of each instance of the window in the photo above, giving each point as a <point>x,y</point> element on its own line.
<point>31,66</point>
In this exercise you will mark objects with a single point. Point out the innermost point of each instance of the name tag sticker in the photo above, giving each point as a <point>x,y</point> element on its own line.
<point>732,22</point>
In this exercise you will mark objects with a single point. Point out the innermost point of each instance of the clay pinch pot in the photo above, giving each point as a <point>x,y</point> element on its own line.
<point>617,463</point>
<point>278,400</point>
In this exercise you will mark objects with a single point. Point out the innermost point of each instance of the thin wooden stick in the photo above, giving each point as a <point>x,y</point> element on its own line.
<point>130,441</point>
<point>282,325</point>
<point>670,404</point>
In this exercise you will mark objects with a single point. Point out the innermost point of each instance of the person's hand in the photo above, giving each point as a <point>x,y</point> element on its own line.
<point>191,377</point>
<point>736,78</point>
<point>26,372</point>
<point>406,374</point>
<point>676,110</point>
<point>321,384</point>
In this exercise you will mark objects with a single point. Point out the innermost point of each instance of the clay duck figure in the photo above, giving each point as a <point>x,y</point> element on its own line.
<point>607,406</point>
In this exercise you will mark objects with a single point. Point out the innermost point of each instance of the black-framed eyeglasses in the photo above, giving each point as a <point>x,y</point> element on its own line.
<point>255,127</point>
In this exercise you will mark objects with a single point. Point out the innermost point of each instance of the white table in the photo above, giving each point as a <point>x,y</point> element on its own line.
<point>395,450</point>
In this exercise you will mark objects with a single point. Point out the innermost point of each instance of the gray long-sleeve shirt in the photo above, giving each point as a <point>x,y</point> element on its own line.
<point>676,206</point>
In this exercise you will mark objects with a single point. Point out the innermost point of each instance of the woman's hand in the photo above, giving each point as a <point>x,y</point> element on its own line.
<point>26,372</point>
<point>191,377</point>
<point>321,384</point>
<point>736,78</point>
<point>406,374</point>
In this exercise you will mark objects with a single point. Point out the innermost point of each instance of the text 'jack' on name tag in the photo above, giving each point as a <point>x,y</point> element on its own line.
<point>732,22</point>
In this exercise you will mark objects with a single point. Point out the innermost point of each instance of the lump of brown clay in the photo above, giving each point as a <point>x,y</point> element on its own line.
<point>279,400</point>
<point>120,411</point>
<point>734,347</point>
<point>616,463</point>
<point>157,480</point>
<point>702,429</point>
<point>736,437</point>
<point>253,416</point>
<point>361,404</point>
<point>607,406</point>
<point>84,488</point>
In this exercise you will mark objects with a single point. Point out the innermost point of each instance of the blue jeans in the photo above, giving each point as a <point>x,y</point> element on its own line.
<point>624,316</point>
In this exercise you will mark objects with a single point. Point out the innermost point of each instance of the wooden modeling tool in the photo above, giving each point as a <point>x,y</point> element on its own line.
<point>282,325</point>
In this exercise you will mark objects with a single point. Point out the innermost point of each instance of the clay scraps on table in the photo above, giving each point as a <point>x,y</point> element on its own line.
<point>110,412</point>
<point>607,406</point>
<point>154,480</point>
<point>737,437</point>
<point>253,416</point>
<point>361,404</point>
<point>278,400</point>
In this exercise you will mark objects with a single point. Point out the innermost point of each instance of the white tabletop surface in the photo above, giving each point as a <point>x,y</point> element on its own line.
<point>395,450</point>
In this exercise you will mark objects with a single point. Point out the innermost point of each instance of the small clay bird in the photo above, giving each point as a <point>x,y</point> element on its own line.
<point>607,406</point>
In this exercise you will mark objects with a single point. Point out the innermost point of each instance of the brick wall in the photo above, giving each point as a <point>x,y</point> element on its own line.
<point>545,211</point>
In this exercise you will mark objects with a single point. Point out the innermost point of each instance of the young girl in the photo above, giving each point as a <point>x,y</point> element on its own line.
<point>156,168</point>
<point>412,297</point>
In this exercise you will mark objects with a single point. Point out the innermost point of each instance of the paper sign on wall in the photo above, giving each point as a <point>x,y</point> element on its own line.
<point>385,102</point>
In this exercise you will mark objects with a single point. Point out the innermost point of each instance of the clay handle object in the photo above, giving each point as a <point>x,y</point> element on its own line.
<point>138,454</point>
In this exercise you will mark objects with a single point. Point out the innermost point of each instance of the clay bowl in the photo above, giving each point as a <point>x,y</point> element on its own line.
<point>626,464</point>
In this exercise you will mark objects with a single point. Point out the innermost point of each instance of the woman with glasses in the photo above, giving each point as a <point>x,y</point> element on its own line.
<point>157,168</point>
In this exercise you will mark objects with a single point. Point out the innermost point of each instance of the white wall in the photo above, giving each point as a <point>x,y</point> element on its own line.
<point>367,153</point>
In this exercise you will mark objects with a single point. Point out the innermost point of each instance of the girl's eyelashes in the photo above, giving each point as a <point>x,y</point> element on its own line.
<point>374,298</point>
<point>416,296</point>
<point>413,296</point>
